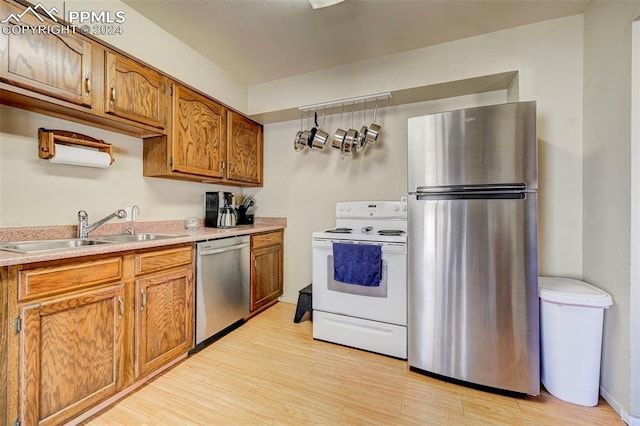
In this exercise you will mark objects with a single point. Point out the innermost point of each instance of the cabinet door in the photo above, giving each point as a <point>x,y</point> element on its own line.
<point>199,134</point>
<point>266,279</point>
<point>71,354</point>
<point>244,149</point>
<point>58,65</point>
<point>164,318</point>
<point>135,92</point>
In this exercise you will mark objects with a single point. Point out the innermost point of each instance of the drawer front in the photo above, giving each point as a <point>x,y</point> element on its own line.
<point>47,281</point>
<point>162,259</point>
<point>264,240</point>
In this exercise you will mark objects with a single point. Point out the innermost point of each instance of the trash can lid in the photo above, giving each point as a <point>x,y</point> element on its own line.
<point>567,291</point>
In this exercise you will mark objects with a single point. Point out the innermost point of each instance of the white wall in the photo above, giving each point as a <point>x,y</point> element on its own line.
<point>607,183</point>
<point>151,44</point>
<point>35,192</point>
<point>548,57</point>
<point>635,225</point>
<point>305,186</point>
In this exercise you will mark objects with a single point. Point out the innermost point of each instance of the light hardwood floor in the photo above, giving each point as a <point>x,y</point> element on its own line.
<point>271,371</point>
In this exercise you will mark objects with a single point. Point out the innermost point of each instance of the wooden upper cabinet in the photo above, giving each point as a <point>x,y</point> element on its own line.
<point>206,142</point>
<point>244,150</point>
<point>71,354</point>
<point>58,65</point>
<point>199,134</point>
<point>135,92</point>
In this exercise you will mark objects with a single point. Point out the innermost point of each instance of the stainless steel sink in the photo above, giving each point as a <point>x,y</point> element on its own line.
<point>50,245</point>
<point>126,238</point>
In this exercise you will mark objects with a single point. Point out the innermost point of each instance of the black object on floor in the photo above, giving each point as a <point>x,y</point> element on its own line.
<point>304,303</point>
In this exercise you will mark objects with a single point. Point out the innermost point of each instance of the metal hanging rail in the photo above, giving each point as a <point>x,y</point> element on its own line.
<point>350,101</point>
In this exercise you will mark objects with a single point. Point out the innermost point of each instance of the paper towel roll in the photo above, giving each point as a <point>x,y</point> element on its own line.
<point>74,156</point>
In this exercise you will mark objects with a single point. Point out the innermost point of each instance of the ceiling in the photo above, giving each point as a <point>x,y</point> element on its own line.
<point>265,40</point>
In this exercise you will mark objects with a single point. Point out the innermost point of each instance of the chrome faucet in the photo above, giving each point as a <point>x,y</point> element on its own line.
<point>83,221</point>
<point>131,229</point>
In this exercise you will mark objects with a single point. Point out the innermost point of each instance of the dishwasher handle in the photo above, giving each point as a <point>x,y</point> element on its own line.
<point>207,252</point>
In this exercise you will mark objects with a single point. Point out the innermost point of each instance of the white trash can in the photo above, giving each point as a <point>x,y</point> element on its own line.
<point>571,318</point>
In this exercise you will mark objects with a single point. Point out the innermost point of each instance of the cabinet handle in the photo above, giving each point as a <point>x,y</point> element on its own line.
<point>222,164</point>
<point>88,84</point>
<point>113,94</point>
<point>121,302</point>
<point>144,299</point>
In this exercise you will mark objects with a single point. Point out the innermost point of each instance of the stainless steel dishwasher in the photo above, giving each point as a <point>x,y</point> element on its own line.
<point>222,285</point>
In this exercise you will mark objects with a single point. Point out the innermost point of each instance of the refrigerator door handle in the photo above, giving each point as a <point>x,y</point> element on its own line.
<point>473,195</point>
<point>500,187</point>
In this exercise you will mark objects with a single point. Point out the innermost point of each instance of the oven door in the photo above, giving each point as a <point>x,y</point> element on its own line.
<point>386,302</point>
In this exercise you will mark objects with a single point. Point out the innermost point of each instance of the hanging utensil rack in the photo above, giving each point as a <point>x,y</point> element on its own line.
<point>347,142</point>
<point>349,101</point>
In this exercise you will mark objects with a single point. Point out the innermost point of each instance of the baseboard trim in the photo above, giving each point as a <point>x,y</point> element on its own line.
<point>287,300</point>
<point>631,421</point>
<point>617,407</point>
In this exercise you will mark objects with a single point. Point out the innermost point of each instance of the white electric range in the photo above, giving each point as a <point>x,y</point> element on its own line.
<point>371,317</point>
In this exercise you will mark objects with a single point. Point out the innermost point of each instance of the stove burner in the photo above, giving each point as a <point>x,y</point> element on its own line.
<point>340,231</point>
<point>391,232</point>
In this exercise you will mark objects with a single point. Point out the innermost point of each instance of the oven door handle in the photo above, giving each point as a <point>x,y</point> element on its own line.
<point>386,248</point>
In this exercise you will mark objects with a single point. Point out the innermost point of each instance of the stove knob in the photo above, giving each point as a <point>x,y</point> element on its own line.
<point>404,207</point>
<point>396,208</point>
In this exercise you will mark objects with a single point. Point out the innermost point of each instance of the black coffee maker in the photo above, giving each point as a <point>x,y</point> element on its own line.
<point>214,202</point>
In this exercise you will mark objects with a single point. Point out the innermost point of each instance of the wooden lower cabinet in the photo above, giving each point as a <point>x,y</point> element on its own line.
<point>164,318</point>
<point>115,322</point>
<point>266,269</point>
<point>71,349</point>
<point>4,335</point>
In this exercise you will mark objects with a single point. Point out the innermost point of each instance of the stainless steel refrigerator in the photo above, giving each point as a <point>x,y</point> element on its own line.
<point>472,240</point>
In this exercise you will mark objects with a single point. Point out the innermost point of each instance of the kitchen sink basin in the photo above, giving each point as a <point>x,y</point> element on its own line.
<point>49,245</point>
<point>125,238</point>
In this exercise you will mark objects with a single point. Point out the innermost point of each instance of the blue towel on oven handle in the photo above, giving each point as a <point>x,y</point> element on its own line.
<point>358,264</point>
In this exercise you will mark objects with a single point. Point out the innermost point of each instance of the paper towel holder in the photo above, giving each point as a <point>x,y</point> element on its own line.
<point>47,139</point>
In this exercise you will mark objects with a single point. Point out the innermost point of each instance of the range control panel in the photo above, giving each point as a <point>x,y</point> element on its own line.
<point>372,209</point>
